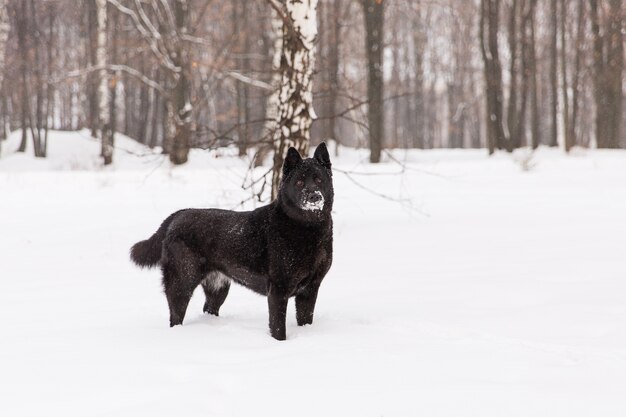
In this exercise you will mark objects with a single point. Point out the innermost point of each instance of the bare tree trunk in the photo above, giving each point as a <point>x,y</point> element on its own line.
<point>49,86</point>
<point>513,111</point>
<point>615,70</point>
<point>489,23</point>
<point>115,77</point>
<point>419,42</point>
<point>573,137</point>
<point>242,49</point>
<point>295,97</point>
<point>143,108</point>
<point>92,78</point>
<point>156,110</point>
<point>4,119</point>
<point>126,100</point>
<point>21,35</point>
<point>374,20</point>
<point>527,15</point>
<point>181,110</point>
<point>333,73</point>
<point>4,35</point>
<point>566,128</point>
<point>554,97</point>
<point>394,86</point>
<point>167,127</point>
<point>600,81</point>
<point>271,108</point>
<point>37,125</point>
<point>534,93</point>
<point>103,89</point>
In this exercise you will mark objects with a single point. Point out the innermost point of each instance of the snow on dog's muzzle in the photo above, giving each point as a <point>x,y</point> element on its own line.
<point>313,201</point>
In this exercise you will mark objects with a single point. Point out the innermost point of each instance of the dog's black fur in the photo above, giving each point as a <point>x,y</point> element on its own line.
<point>280,250</point>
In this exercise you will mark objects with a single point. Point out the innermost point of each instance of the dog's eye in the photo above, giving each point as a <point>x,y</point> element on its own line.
<point>299,183</point>
<point>318,180</point>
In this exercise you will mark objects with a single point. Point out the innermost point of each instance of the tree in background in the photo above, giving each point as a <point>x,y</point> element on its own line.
<point>554,95</point>
<point>608,59</point>
<point>374,23</point>
<point>417,108</point>
<point>489,27</point>
<point>330,17</point>
<point>180,107</point>
<point>165,31</point>
<point>198,74</point>
<point>294,101</point>
<point>104,121</point>
<point>571,119</point>
<point>5,27</point>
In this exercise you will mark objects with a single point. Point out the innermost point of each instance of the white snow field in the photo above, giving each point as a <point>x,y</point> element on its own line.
<point>489,291</point>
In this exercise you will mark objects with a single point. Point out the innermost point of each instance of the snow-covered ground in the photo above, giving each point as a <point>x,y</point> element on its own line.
<point>488,291</point>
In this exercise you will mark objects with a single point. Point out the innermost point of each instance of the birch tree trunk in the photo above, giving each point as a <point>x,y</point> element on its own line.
<point>295,93</point>
<point>103,88</point>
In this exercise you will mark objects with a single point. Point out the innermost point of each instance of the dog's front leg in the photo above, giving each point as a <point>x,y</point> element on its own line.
<point>305,305</point>
<point>277,298</point>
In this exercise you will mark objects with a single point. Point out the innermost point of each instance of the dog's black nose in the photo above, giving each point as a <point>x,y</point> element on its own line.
<point>315,197</point>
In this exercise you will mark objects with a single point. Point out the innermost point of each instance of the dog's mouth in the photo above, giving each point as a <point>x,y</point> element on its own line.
<point>313,202</point>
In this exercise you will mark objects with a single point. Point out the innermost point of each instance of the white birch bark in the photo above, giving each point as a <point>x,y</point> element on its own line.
<point>295,112</point>
<point>103,87</point>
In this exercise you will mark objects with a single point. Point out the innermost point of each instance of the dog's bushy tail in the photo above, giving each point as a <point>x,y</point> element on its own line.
<point>147,253</point>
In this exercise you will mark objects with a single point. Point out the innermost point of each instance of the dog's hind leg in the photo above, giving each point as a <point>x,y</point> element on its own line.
<point>216,286</point>
<point>181,275</point>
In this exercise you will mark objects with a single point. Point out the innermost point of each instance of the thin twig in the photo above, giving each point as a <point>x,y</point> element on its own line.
<point>405,202</point>
<point>113,67</point>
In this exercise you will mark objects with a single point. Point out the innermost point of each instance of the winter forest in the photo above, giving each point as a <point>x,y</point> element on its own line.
<point>422,74</point>
<point>477,153</point>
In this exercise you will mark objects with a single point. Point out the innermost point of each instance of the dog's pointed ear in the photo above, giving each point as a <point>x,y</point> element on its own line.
<point>321,155</point>
<point>292,160</point>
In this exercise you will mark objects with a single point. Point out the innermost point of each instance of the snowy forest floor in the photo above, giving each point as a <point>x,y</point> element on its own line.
<point>487,291</point>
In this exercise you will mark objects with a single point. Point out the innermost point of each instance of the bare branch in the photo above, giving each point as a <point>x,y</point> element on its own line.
<point>113,67</point>
<point>279,8</point>
<point>150,37</point>
<point>250,81</point>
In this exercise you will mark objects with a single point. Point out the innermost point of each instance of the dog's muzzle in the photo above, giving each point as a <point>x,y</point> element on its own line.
<point>313,201</point>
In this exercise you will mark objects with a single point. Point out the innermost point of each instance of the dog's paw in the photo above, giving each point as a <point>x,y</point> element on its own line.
<point>212,312</point>
<point>279,335</point>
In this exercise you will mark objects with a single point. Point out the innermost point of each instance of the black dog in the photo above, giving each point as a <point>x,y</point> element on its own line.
<point>281,250</point>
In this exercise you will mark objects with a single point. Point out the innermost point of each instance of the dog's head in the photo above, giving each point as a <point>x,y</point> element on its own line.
<point>306,189</point>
